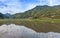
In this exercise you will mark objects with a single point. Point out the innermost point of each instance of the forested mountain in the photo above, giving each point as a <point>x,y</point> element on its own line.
<point>40,12</point>
<point>7,15</point>
<point>3,16</point>
<point>37,12</point>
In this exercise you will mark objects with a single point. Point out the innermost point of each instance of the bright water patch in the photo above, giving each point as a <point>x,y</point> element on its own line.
<point>16,31</point>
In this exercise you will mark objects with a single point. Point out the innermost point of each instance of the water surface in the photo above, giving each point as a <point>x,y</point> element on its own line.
<point>16,31</point>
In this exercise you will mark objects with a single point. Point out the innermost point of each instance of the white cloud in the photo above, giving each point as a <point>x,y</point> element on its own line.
<point>50,2</point>
<point>53,2</point>
<point>16,6</point>
<point>13,6</point>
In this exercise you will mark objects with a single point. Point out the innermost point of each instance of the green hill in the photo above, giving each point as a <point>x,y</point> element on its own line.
<point>40,12</point>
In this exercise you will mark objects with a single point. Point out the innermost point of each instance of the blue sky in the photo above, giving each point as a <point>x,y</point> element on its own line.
<point>16,6</point>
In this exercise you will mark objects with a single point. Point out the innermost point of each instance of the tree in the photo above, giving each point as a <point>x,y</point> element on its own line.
<point>1,16</point>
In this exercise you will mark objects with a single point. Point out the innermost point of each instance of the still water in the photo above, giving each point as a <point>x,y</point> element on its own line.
<point>16,31</point>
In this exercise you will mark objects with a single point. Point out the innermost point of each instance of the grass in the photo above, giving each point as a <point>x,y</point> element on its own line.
<point>39,25</point>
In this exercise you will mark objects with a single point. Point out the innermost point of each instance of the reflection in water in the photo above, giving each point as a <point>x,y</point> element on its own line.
<point>15,31</point>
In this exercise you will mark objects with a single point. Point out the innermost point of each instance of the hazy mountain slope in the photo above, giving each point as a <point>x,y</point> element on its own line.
<point>41,11</point>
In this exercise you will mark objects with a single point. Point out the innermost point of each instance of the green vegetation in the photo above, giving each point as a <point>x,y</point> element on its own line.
<point>38,12</point>
<point>41,12</point>
<point>41,18</point>
<point>39,25</point>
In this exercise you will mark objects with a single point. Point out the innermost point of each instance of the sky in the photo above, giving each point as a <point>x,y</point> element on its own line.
<point>19,6</point>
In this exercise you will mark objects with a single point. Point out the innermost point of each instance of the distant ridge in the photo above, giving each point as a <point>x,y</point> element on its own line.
<point>39,12</point>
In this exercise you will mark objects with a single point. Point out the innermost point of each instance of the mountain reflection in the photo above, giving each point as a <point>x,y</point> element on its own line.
<point>16,31</point>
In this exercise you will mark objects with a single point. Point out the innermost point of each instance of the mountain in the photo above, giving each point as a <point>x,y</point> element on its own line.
<point>41,12</point>
<point>7,15</point>
<point>1,16</point>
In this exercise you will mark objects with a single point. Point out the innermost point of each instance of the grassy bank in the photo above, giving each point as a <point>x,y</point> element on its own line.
<point>40,25</point>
